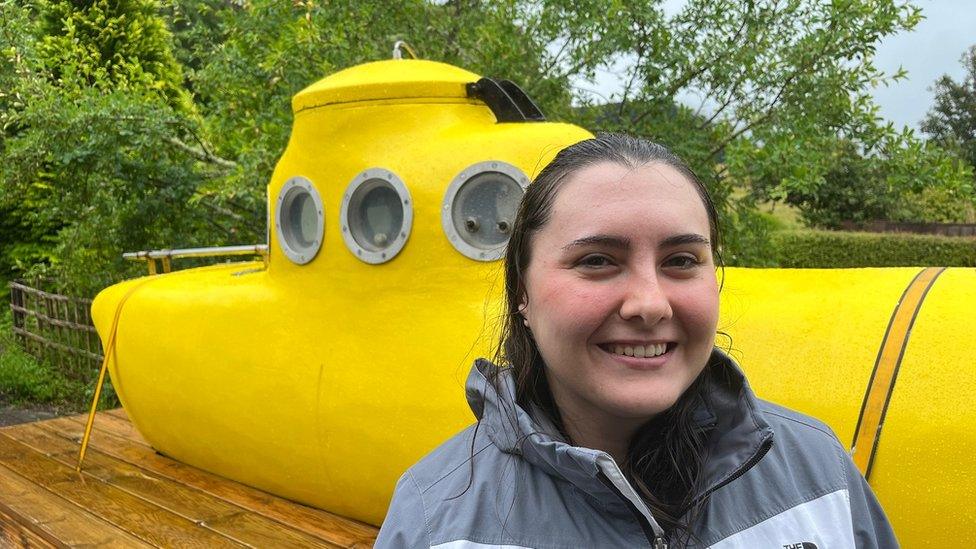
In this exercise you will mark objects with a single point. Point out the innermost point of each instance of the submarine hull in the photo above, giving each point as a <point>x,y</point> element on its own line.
<point>332,412</point>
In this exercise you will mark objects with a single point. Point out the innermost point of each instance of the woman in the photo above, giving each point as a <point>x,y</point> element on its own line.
<point>611,420</point>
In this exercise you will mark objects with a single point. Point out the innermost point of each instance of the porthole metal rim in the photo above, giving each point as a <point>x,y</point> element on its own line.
<point>447,224</point>
<point>363,254</point>
<point>300,257</point>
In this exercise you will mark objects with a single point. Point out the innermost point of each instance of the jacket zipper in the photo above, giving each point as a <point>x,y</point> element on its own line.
<point>656,542</point>
<point>763,450</point>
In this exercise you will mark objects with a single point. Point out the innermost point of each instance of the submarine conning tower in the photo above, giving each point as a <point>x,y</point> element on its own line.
<point>394,162</point>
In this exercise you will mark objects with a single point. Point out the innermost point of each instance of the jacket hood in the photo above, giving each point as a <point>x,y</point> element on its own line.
<point>739,435</point>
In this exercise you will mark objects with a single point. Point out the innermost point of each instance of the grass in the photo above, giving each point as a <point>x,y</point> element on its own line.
<point>786,216</point>
<point>25,380</point>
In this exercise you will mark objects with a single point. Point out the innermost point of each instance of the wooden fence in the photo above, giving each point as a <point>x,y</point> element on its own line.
<point>56,328</point>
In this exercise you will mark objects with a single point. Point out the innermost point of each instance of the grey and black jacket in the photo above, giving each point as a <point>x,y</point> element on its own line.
<point>774,479</point>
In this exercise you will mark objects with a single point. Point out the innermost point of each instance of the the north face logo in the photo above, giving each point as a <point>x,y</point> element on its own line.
<point>800,545</point>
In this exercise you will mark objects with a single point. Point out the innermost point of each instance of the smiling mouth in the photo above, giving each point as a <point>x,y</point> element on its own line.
<point>638,351</point>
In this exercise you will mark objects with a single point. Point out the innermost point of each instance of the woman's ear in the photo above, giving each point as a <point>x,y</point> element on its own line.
<point>523,309</point>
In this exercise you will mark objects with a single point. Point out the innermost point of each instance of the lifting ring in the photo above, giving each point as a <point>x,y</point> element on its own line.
<point>398,48</point>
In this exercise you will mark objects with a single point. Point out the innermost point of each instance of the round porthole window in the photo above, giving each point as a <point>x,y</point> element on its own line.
<point>479,208</point>
<point>376,215</point>
<point>299,220</point>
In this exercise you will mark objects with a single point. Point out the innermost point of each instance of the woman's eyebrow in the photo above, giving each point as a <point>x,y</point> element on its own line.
<point>608,241</point>
<point>679,239</point>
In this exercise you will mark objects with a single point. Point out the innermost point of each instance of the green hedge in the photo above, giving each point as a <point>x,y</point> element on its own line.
<point>809,248</point>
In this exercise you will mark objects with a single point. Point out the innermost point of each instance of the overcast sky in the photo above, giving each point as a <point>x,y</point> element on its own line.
<point>931,50</point>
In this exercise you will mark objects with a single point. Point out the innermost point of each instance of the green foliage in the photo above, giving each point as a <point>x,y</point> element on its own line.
<point>777,83</point>
<point>269,51</point>
<point>836,249</point>
<point>849,191</point>
<point>908,180</point>
<point>952,120</point>
<point>119,134</point>
<point>931,183</point>
<point>27,236</point>
<point>938,205</point>
<point>110,178</point>
<point>94,159</point>
<point>110,45</point>
<point>771,88</point>
<point>24,379</point>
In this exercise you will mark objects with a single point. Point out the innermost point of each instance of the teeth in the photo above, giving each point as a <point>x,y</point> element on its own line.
<point>640,351</point>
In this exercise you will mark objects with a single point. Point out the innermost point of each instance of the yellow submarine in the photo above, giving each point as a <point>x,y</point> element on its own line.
<point>325,369</point>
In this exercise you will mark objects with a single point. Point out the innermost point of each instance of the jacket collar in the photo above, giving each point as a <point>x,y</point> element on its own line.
<point>739,433</point>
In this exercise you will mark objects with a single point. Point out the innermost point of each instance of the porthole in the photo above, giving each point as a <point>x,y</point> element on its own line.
<point>479,208</point>
<point>299,220</point>
<point>376,215</point>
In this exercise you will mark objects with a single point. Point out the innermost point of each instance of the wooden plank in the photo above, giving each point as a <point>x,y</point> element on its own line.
<point>112,424</point>
<point>14,533</point>
<point>254,527</point>
<point>118,412</point>
<point>202,508</point>
<point>338,530</point>
<point>137,517</point>
<point>54,520</point>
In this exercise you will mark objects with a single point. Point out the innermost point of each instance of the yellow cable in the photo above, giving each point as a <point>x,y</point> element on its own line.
<point>109,354</point>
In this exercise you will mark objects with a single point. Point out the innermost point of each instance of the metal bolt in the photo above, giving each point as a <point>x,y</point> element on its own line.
<point>472,225</point>
<point>503,226</point>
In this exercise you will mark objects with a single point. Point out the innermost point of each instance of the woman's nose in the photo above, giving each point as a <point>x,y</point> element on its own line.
<point>645,299</point>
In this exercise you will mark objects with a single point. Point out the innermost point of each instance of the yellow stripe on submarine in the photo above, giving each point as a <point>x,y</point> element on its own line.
<point>322,374</point>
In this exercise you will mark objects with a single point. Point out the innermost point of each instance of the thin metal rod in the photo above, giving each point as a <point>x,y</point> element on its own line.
<point>253,249</point>
<point>109,354</point>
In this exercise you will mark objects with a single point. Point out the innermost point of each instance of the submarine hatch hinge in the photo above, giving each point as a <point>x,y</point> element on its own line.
<point>506,100</point>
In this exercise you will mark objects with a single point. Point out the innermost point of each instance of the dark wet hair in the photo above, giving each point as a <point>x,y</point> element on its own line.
<point>666,455</point>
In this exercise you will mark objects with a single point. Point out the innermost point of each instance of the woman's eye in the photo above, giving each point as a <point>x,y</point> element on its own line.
<point>683,261</point>
<point>595,261</point>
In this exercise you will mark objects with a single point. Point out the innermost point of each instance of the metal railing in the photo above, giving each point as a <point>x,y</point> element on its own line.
<point>166,257</point>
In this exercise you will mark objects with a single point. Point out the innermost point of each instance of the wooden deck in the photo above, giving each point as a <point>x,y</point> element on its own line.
<point>129,496</point>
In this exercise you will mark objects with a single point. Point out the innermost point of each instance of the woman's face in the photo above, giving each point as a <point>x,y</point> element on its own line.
<point>621,295</point>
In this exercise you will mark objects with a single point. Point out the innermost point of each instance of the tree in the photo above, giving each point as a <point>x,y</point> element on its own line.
<point>93,144</point>
<point>271,50</point>
<point>952,120</point>
<point>776,85</point>
<point>906,180</point>
<point>24,240</point>
<point>778,82</point>
<point>133,136</point>
<point>110,44</point>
